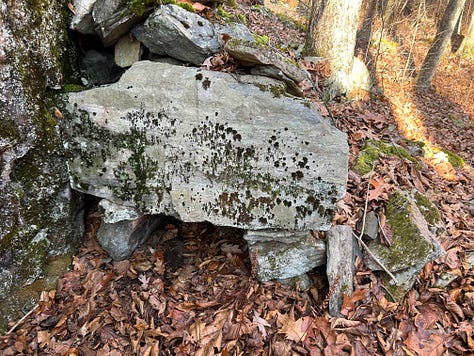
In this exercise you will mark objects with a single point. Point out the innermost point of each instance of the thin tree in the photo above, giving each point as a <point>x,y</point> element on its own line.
<point>467,44</point>
<point>440,43</point>
<point>332,34</point>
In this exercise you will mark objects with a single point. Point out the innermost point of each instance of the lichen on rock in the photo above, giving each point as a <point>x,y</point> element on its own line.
<point>38,207</point>
<point>225,151</point>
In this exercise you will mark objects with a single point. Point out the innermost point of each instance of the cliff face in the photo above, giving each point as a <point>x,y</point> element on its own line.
<point>37,207</point>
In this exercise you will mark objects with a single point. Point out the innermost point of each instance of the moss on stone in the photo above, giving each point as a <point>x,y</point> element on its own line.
<point>262,40</point>
<point>370,153</point>
<point>186,6</point>
<point>72,88</point>
<point>453,158</point>
<point>407,245</point>
<point>429,211</point>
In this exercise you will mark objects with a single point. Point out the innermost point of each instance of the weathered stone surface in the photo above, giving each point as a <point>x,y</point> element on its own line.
<point>284,254</point>
<point>413,243</point>
<point>37,206</point>
<point>341,252</point>
<point>252,53</point>
<point>122,230</point>
<point>127,51</point>
<point>274,72</point>
<point>212,148</point>
<point>82,20</point>
<point>371,228</point>
<point>184,35</point>
<point>114,18</point>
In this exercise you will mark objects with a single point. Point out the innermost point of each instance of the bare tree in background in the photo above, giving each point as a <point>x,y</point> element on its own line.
<point>467,44</point>
<point>440,43</point>
<point>332,34</point>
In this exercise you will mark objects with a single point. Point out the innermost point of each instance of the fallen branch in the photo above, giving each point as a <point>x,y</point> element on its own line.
<point>12,329</point>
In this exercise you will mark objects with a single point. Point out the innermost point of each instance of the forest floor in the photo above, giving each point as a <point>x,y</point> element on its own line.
<point>190,291</point>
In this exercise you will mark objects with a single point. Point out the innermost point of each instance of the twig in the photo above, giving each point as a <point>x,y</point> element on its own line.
<point>12,329</point>
<point>371,254</point>
<point>359,237</point>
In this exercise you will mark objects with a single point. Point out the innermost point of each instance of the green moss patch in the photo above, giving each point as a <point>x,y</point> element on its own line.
<point>371,151</point>
<point>453,158</point>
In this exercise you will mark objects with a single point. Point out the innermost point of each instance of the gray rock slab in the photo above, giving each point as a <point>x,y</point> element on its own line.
<point>184,35</point>
<point>127,51</point>
<point>252,53</point>
<point>203,145</point>
<point>120,237</point>
<point>341,252</point>
<point>282,255</point>
<point>82,20</point>
<point>413,244</point>
<point>114,18</point>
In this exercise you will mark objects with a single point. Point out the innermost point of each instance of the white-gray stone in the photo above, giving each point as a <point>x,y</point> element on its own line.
<point>127,51</point>
<point>121,238</point>
<point>282,255</point>
<point>112,213</point>
<point>341,252</point>
<point>82,20</point>
<point>202,145</point>
<point>184,35</point>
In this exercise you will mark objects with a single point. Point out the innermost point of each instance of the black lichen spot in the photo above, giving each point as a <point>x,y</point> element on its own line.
<point>199,76</point>
<point>206,84</point>
<point>297,175</point>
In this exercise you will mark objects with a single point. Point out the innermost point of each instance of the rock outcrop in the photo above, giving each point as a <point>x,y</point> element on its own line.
<point>37,207</point>
<point>202,145</point>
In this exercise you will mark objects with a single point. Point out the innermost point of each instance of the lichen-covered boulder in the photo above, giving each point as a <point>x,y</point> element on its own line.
<point>178,33</point>
<point>203,145</point>
<point>37,206</point>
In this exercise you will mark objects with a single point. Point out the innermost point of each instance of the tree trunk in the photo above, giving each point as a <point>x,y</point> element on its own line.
<point>467,44</point>
<point>332,34</point>
<point>440,43</point>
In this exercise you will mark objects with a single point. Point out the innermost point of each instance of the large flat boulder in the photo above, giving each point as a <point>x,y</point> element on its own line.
<point>202,145</point>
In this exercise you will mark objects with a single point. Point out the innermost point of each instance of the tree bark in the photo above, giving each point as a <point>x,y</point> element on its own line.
<point>440,43</point>
<point>467,44</point>
<point>332,34</point>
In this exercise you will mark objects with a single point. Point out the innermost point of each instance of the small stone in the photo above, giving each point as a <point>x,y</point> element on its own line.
<point>121,238</point>
<point>127,51</point>
<point>371,229</point>
<point>178,33</point>
<point>284,254</point>
<point>113,19</point>
<point>82,20</point>
<point>252,53</point>
<point>341,252</point>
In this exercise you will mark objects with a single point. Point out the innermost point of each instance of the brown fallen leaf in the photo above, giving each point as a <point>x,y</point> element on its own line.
<point>293,329</point>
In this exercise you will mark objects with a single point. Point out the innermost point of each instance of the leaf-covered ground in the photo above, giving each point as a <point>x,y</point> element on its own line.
<point>190,291</point>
